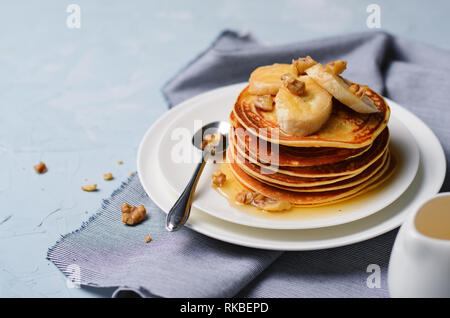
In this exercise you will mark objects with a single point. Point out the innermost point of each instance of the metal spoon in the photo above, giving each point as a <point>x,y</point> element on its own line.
<point>180,211</point>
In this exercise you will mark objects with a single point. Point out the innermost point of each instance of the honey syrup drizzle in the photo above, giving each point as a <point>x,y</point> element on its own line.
<point>232,187</point>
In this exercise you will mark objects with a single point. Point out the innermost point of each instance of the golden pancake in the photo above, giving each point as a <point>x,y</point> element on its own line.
<point>311,199</point>
<point>279,155</point>
<point>350,166</point>
<point>346,183</point>
<point>344,129</point>
<point>283,180</point>
<point>279,178</point>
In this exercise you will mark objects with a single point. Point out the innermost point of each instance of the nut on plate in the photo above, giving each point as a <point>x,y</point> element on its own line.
<point>108,176</point>
<point>132,215</point>
<point>148,238</point>
<point>89,188</point>
<point>218,178</point>
<point>271,205</point>
<point>244,197</point>
<point>40,168</point>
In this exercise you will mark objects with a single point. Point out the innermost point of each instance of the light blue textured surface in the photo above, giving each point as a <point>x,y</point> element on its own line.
<point>81,99</point>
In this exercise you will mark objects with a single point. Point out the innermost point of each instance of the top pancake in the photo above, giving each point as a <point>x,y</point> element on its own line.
<point>344,129</point>
<point>279,155</point>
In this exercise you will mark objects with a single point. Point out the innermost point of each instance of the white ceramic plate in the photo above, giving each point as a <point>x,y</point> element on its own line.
<point>177,170</point>
<point>427,182</point>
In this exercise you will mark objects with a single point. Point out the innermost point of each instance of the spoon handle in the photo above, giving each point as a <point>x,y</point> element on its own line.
<point>179,213</point>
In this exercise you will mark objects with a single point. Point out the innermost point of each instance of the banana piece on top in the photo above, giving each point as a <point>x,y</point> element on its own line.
<point>302,115</point>
<point>266,80</point>
<point>345,91</point>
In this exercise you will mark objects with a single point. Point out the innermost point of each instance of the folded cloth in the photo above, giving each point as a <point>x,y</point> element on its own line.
<point>106,253</point>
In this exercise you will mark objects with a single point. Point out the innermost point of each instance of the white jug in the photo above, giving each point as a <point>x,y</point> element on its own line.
<point>420,260</point>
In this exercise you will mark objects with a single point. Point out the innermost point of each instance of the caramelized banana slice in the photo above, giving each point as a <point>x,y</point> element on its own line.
<point>303,115</point>
<point>266,80</point>
<point>342,89</point>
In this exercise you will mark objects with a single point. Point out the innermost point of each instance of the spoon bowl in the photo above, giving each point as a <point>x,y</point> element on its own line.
<point>217,127</point>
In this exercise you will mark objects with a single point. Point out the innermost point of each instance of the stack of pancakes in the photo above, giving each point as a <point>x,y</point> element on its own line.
<point>348,156</point>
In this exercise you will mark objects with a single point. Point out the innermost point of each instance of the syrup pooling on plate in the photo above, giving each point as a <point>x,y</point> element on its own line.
<point>232,187</point>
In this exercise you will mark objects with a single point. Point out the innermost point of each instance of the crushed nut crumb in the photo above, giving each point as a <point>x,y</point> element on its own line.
<point>268,204</point>
<point>119,162</point>
<point>303,63</point>
<point>89,188</point>
<point>132,215</point>
<point>131,173</point>
<point>108,176</point>
<point>209,137</point>
<point>218,178</point>
<point>244,197</point>
<point>40,168</point>
<point>264,102</point>
<point>148,238</point>
<point>294,85</point>
<point>204,144</point>
<point>210,141</point>
<point>261,202</point>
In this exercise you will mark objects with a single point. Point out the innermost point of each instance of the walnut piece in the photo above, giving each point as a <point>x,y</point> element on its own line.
<point>337,67</point>
<point>210,141</point>
<point>132,215</point>
<point>303,63</point>
<point>108,176</point>
<point>261,202</point>
<point>244,197</point>
<point>271,205</point>
<point>264,102</point>
<point>148,238</point>
<point>295,86</point>
<point>40,168</point>
<point>218,178</point>
<point>89,188</point>
<point>211,137</point>
<point>204,144</point>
